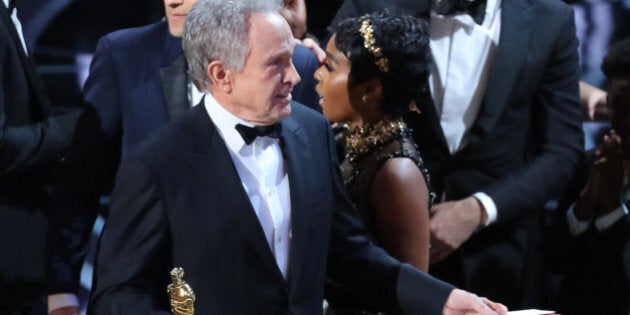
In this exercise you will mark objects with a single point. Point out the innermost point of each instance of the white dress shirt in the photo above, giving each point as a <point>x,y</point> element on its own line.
<point>463,52</point>
<point>194,94</point>
<point>260,167</point>
<point>18,25</point>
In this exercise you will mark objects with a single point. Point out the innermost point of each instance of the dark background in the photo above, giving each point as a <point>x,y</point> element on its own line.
<point>62,34</point>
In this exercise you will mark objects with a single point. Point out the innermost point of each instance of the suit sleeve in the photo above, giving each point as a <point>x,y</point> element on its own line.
<point>557,134</point>
<point>87,172</point>
<point>306,64</point>
<point>102,88</point>
<point>27,146</point>
<point>367,270</point>
<point>132,267</point>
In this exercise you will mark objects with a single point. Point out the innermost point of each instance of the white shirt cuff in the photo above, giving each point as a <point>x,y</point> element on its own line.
<point>605,221</point>
<point>488,206</point>
<point>60,300</point>
<point>576,227</point>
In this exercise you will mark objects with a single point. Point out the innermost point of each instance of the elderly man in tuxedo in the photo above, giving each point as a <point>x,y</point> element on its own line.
<point>138,82</point>
<point>500,132</point>
<point>244,194</point>
<point>32,137</point>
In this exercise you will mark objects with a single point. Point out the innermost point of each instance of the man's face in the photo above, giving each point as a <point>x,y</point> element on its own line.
<point>619,104</point>
<point>176,12</point>
<point>261,92</point>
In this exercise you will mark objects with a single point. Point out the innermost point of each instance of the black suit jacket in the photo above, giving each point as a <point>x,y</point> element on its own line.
<point>594,277</point>
<point>524,145</point>
<point>31,139</point>
<point>180,202</point>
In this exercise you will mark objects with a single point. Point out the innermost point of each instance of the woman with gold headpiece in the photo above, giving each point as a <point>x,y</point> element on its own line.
<point>375,67</point>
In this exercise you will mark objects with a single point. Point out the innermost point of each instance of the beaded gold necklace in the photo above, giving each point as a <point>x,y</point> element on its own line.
<point>361,139</point>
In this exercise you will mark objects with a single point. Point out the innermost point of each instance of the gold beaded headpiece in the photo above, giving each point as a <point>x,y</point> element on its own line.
<point>370,44</point>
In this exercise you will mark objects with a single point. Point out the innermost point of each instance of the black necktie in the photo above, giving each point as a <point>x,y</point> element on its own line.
<point>250,133</point>
<point>475,8</point>
<point>11,6</point>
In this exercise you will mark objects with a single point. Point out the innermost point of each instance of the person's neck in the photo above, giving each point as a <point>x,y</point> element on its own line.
<point>367,119</point>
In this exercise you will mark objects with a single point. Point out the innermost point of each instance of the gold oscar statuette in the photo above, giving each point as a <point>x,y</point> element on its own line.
<point>180,293</point>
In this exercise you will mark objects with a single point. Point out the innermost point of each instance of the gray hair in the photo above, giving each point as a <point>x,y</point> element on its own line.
<point>219,30</point>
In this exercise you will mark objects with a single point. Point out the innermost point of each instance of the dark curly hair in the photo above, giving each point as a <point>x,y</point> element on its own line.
<point>404,41</point>
<point>617,61</point>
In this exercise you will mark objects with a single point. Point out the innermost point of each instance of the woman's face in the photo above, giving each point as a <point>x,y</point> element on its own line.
<point>333,87</point>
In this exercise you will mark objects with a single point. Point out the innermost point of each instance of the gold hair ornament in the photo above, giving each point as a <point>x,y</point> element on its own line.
<point>370,44</point>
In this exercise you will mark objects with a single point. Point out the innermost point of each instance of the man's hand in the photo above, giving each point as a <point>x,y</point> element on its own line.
<point>452,223</point>
<point>68,310</point>
<point>460,302</point>
<point>594,102</point>
<point>314,47</point>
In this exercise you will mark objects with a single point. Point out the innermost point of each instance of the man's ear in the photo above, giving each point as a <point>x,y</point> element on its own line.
<point>219,76</point>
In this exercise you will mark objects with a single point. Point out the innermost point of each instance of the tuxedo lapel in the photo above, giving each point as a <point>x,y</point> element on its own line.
<point>517,18</point>
<point>214,167</point>
<point>298,160</point>
<point>175,86</point>
<point>28,65</point>
<point>173,77</point>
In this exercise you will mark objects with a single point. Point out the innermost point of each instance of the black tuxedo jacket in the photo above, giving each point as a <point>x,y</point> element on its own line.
<point>524,146</point>
<point>31,139</point>
<point>179,202</point>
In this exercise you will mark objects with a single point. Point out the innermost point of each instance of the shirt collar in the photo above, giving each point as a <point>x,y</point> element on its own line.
<point>225,123</point>
<point>6,3</point>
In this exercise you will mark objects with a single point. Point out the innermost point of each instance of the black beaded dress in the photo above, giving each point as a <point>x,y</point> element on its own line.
<point>366,150</point>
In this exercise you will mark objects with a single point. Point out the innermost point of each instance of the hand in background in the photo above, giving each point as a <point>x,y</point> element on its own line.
<point>593,102</point>
<point>68,310</point>
<point>315,48</point>
<point>451,224</point>
<point>460,302</point>
<point>604,186</point>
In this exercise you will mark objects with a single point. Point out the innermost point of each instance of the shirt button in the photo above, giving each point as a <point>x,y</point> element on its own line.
<point>271,191</point>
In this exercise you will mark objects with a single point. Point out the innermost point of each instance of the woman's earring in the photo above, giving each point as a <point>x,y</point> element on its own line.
<point>364,98</point>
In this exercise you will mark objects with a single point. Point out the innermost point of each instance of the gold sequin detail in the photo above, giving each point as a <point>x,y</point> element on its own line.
<point>361,139</point>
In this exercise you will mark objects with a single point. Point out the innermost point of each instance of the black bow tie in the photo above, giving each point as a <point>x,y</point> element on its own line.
<point>250,133</point>
<point>475,8</point>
